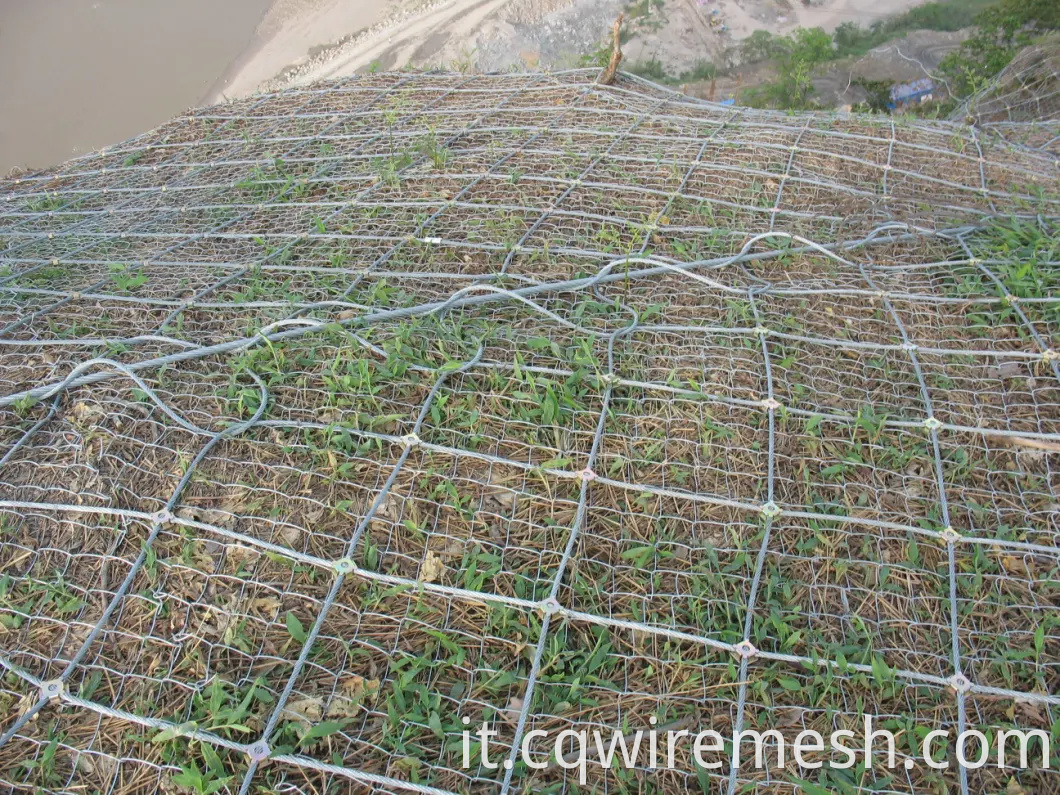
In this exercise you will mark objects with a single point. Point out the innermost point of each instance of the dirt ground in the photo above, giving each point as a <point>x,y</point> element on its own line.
<point>295,31</point>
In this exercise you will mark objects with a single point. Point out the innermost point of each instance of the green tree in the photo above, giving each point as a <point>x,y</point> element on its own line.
<point>761,46</point>
<point>850,38</point>
<point>796,56</point>
<point>810,46</point>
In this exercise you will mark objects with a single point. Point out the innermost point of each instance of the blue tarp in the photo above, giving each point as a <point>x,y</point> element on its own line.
<point>910,92</point>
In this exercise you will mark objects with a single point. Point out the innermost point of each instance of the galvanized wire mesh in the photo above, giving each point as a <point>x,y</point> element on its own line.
<point>1025,92</point>
<point>334,416</point>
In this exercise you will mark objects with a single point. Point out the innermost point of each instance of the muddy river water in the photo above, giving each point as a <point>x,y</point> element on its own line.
<point>76,75</point>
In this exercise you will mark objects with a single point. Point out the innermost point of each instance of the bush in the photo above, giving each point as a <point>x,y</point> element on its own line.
<point>701,70</point>
<point>653,70</point>
<point>796,56</point>
<point>601,57</point>
<point>762,45</point>
<point>810,46</point>
<point>851,38</point>
<point>879,94</point>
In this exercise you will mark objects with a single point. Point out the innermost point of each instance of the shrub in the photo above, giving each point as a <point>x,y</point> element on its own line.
<point>701,70</point>
<point>651,69</point>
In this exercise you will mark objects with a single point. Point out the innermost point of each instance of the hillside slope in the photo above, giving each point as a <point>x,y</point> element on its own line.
<point>332,416</point>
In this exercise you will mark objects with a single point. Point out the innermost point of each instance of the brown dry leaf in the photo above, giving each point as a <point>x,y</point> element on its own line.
<point>235,502</point>
<point>309,710</point>
<point>504,476</point>
<point>432,568</point>
<point>102,766</point>
<point>1013,565</point>
<point>503,499</point>
<point>214,622</point>
<point>84,764</point>
<point>1035,457</point>
<point>496,531</point>
<point>1005,370</point>
<point>289,535</point>
<point>218,518</point>
<point>189,512</point>
<point>1014,787</point>
<point>356,690</point>
<point>342,707</point>
<point>1029,710</point>
<point>268,605</point>
<point>453,548</point>
<point>916,469</point>
<point>86,415</point>
<point>204,555</point>
<point>358,686</point>
<point>25,704</point>
<point>330,415</point>
<point>237,553</point>
<point>786,717</point>
<point>511,712</point>
<point>388,509</point>
<point>913,490</point>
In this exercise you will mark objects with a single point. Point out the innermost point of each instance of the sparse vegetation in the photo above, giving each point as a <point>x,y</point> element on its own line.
<point>1001,30</point>
<point>518,401</point>
<point>796,56</point>
<point>1002,27</point>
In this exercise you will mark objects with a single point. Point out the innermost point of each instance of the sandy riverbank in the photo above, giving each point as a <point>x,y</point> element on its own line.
<point>292,33</point>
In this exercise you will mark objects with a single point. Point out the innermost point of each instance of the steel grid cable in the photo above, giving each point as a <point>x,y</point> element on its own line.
<point>881,297</point>
<point>185,239</point>
<point>604,275</point>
